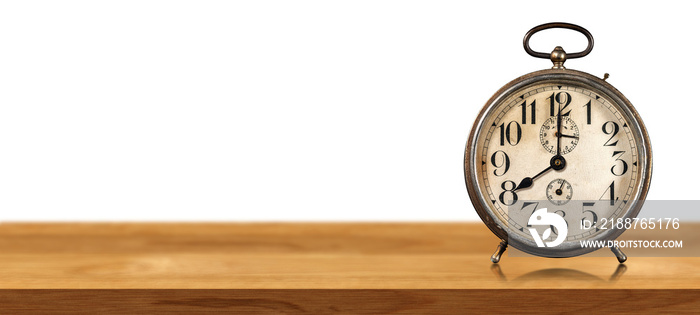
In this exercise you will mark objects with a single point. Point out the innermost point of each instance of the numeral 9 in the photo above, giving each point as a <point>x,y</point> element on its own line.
<point>504,162</point>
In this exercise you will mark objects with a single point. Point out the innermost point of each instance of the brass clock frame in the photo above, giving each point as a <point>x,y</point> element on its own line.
<point>558,74</point>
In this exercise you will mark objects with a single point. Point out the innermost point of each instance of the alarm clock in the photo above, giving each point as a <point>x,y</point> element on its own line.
<point>554,155</point>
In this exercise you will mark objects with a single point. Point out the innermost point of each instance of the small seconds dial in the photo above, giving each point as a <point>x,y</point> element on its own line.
<point>559,191</point>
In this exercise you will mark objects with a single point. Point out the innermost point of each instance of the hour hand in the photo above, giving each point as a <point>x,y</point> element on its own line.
<point>527,181</point>
<point>568,136</point>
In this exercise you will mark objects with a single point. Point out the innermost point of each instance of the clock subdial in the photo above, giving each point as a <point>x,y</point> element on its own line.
<point>569,135</point>
<point>559,191</point>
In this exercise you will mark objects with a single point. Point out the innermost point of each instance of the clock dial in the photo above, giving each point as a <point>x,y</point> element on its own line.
<point>549,135</point>
<point>590,134</point>
<point>559,192</point>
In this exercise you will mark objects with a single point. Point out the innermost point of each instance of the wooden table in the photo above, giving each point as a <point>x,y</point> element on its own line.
<point>318,268</point>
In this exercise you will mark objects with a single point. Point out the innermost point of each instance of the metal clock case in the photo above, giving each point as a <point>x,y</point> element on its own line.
<point>520,131</point>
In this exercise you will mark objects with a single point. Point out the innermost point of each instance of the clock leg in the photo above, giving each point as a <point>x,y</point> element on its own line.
<point>621,257</point>
<point>499,251</point>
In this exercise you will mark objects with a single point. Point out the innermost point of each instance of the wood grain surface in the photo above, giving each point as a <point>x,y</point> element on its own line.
<point>353,268</point>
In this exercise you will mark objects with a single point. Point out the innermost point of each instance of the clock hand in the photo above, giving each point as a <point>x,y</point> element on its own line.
<point>557,163</point>
<point>559,131</point>
<point>568,136</point>
<point>527,181</point>
<point>559,191</point>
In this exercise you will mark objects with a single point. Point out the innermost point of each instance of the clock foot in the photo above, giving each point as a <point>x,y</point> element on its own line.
<point>499,251</point>
<point>621,257</point>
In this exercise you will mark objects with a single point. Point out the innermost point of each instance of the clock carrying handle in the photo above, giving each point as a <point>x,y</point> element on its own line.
<point>585,32</point>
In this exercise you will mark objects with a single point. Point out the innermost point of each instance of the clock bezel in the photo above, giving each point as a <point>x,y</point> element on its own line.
<point>571,77</point>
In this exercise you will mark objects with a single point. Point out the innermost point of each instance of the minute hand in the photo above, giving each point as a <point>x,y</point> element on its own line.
<point>559,131</point>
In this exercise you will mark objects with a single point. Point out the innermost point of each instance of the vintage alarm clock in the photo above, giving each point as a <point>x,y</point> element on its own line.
<point>554,156</point>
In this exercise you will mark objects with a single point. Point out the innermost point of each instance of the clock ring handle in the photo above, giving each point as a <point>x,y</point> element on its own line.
<point>585,32</point>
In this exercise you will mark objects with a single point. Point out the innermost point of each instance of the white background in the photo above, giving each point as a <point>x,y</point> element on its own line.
<point>301,110</point>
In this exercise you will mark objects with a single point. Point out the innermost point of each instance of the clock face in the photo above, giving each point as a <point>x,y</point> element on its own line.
<point>561,146</point>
